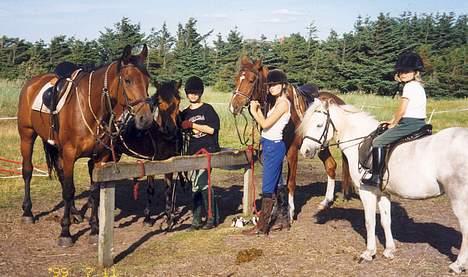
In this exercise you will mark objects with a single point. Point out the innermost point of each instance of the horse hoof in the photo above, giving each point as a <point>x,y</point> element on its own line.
<point>324,205</point>
<point>93,239</point>
<point>65,242</point>
<point>456,268</point>
<point>389,253</point>
<point>366,256</point>
<point>27,220</point>
<point>147,223</point>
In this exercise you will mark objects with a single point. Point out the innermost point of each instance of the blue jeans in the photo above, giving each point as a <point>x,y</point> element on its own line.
<point>273,156</point>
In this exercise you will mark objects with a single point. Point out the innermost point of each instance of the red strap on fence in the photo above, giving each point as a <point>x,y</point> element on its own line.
<point>10,171</point>
<point>3,159</point>
<point>250,150</point>
<point>136,186</point>
<point>208,169</point>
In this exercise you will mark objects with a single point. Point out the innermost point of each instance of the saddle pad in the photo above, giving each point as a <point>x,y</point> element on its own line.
<point>38,104</point>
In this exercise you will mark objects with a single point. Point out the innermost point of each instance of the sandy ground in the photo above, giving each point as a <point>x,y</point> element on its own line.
<point>325,244</point>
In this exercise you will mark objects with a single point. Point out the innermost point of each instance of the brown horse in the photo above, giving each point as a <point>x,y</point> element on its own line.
<point>250,85</point>
<point>161,141</point>
<point>87,127</point>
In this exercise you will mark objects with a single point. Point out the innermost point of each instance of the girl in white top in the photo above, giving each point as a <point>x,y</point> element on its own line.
<point>274,148</point>
<point>408,118</point>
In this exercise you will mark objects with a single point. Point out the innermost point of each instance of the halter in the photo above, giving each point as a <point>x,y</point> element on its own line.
<point>106,98</point>
<point>249,94</point>
<point>323,144</point>
<point>324,135</point>
<point>129,105</point>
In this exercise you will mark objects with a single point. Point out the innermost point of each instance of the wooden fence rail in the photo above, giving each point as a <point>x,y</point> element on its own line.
<point>108,173</point>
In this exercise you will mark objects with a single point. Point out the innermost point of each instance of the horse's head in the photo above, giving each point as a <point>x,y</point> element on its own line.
<point>316,128</point>
<point>166,106</point>
<point>249,84</point>
<point>134,80</point>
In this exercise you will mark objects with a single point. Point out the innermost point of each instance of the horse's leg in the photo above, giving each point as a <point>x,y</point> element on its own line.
<point>369,202</point>
<point>169,204</point>
<point>291,157</point>
<point>386,221</point>
<point>77,216</point>
<point>68,194</point>
<point>460,210</point>
<point>330,167</point>
<point>28,136</point>
<point>150,192</point>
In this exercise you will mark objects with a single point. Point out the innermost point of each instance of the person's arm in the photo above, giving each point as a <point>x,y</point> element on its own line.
<point>266,123</point>
<point>203,128</point>
<point>212,123</point>
<point>399,112</point>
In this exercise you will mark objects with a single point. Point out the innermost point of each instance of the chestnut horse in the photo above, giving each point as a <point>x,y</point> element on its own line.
<point>250,85</point>
<point>87,127</point>
<point>161,141</point>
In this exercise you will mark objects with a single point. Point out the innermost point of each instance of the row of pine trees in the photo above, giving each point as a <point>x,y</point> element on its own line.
<point>361,60</point>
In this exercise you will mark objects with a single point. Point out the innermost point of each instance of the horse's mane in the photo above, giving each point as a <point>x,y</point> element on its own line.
<point>167,90</point>
<point>357,114</point>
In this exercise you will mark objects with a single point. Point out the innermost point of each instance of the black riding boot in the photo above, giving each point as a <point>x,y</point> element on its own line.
<point>214,220</point>
<point>197,202</point>
<point>378,162</point>
<point>280,217</point>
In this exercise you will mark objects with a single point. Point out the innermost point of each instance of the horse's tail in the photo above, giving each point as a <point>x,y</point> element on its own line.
<point>52,156</point>
<point>346,183</point>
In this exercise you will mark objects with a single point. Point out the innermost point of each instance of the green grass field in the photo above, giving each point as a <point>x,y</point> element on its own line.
<point>11,190</point>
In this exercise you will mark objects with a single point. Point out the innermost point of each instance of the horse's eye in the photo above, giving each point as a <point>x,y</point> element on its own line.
<point>128,81</point>
<point>320,125</point>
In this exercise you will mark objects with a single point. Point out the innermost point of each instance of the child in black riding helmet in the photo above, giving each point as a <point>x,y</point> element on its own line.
<point>203,121</point>
<point>408,118</point>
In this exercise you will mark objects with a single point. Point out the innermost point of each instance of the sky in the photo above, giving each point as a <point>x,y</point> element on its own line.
<point>43,19</point>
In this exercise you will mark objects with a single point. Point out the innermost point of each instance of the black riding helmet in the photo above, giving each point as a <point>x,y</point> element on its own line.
<point>409,61</point>
<point>194,85</point>
<point>276,76</point>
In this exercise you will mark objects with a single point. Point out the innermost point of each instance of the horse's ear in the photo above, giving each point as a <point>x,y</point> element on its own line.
<point>179,84</point>
<point>329,102</point>
<point>245,60</point>
<point>258,64</point>
<point>143,54</point>
<point>157,85</point>
<point>126,54</point>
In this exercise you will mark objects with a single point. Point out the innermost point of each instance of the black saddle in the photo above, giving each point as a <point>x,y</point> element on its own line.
<point>365,148</point>
<point>309,92</point>
<point>63,71</point>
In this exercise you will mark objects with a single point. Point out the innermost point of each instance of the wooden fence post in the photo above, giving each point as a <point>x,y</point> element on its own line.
<point>248,197</point>
<point>106,224</point>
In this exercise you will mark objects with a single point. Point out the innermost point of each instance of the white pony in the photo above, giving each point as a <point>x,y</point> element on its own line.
<point>420,169</point>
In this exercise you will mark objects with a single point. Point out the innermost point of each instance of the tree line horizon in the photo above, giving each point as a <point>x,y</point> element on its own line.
<point>360,60</point>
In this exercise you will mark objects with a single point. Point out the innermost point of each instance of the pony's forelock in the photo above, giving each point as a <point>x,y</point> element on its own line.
<point>308,116</point>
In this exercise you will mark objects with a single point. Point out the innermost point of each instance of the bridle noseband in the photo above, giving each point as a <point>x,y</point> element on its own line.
<point>130,105</point>
<point>323,138</point>
<point>248,95</point>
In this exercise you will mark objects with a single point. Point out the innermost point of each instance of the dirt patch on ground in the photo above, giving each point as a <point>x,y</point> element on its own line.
<point>327,244</point>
